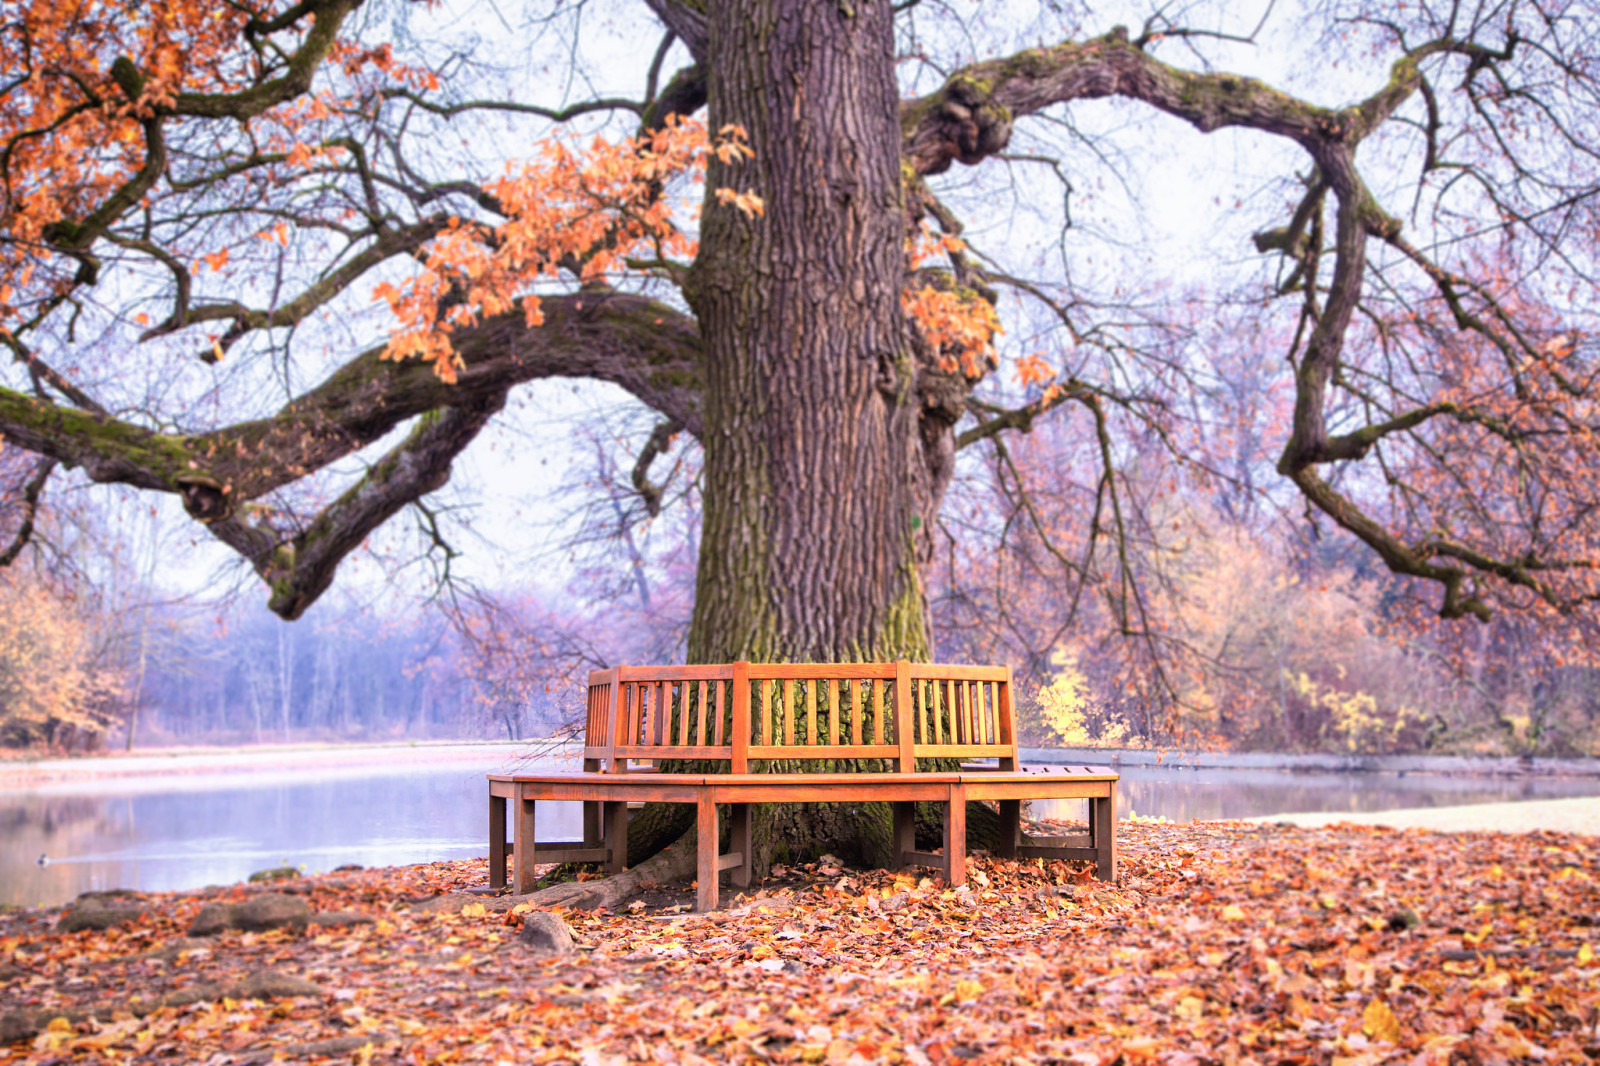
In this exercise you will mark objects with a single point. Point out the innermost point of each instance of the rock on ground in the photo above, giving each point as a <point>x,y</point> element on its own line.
<point>272,910</point>
<point>546,933</point>
<point>98,911</point>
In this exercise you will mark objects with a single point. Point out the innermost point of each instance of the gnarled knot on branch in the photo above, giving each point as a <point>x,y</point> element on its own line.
<point>205,498</point>
<point>971,125</point>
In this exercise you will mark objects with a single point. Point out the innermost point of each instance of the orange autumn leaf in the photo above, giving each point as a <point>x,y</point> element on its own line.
<point>1379,1022</point>
<point>959,328</point>
<point>598,204</point>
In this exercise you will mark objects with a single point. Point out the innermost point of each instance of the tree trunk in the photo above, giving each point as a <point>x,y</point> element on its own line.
<point>138,679</point>
<point>810,435</point>
<point>821,476</point>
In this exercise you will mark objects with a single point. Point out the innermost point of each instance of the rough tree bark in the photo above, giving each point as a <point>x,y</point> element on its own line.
<point>824,468</point>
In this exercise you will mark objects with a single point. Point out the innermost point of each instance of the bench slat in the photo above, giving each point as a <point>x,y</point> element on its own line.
<point>564,851</point>
<point>641,674</point>
<point>811,712</point>
<point>804,671</point>
<point>823,751</point>
<point>961,751</point>
<point>668,751</point>
<point>1028,851</point>
<point>921,858</point>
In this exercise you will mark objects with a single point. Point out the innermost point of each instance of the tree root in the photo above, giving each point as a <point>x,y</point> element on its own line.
<point>673,863</point>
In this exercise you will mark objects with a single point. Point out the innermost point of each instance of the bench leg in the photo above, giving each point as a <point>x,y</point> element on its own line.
<point>1010,828</point>
<point>706,872</point>
<point>955,837</point>
<point>497,842</point>
<point>905,831</point>
<point>593,829</point>
<point>615,818</point>
<point>1103,828</point>
<point>739,842</point>
<point>522,847</point>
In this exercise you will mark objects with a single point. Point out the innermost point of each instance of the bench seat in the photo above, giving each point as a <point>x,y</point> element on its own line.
<point>606,797</point>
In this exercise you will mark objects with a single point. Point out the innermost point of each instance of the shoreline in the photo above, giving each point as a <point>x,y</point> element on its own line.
<point>1580,815</point>
<point>26,771</point>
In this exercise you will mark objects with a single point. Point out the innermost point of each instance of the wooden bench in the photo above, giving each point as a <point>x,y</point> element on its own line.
<point>768,722</point>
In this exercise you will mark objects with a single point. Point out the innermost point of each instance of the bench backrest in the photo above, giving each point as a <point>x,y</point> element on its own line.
<point>787,712</point>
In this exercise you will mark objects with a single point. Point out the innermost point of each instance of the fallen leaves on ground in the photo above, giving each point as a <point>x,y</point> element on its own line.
<point>1221,943</point>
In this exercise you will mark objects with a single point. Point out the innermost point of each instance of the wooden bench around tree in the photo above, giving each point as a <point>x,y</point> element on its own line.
<point>784,730</point>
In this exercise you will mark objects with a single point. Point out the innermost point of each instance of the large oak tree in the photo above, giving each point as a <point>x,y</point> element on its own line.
<point>219,178</point>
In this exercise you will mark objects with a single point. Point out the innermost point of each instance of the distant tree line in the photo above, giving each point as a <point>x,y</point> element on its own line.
<point>1216,624</point>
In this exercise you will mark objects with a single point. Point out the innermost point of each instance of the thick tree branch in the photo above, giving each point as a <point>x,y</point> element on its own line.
<point>645,347</point>
<point>300,571</point>
<point>328,18</point>
<point>660,440</point>
<point>969,118</point>
<point>686,19</point>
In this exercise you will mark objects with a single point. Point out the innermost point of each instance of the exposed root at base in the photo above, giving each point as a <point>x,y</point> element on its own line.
<point>675,862</point>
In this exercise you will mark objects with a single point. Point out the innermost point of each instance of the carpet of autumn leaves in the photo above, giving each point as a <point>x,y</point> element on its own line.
<point>1221,943</point>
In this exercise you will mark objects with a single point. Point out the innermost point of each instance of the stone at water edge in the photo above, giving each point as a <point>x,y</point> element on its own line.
<point>276,873</point>
<point>272,910</point>
<point>212,919</point>
<point>546,933</point>
<point>94,913</point>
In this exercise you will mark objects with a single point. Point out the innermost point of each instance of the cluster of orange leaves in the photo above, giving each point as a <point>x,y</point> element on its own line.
<point>71,137</point>
<point>598,207</point>
<point>68,152</point>
<point>959,327</point>
<point>1220,943</point>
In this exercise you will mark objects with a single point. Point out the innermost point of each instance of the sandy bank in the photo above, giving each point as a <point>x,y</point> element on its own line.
<point>1562,815</point>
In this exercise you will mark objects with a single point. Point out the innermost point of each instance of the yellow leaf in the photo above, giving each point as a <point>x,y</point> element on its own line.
<point>967,991</point>
<point>1233,913</point>
<point>1379,1022</point>
<point>1191,1008</point>
<point>474,910</point>
<point>762,951</point>
<point>56,1034</point>
<point>1585,955</point>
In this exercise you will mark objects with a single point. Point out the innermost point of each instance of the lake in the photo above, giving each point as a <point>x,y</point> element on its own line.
<point>161,831</point>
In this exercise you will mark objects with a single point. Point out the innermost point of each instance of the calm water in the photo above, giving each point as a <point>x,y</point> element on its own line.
<point>164,832</point>
<point>1184,795</point>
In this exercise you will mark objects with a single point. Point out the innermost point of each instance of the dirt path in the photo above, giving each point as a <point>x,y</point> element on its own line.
<point>1580,815</point>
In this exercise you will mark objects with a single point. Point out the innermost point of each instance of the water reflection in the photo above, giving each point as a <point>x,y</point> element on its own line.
<point>165,832</point>
<point>1184,795</point>
<point>184,837</point>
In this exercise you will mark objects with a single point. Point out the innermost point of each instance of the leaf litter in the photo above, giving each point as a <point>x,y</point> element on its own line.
<point>1220,943</point>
